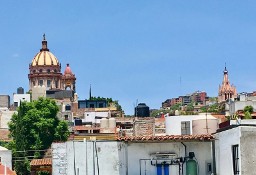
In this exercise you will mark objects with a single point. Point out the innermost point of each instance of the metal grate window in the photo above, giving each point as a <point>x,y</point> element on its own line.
<point>235,156</point>
<point>185,128</point>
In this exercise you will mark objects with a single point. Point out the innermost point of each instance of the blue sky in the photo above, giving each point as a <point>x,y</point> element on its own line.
<point>129,50</point>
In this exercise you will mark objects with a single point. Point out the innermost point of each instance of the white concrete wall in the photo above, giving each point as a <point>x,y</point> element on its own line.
<point>120,158</point>
<point>137,151</point>
<point>21,97</point>
<point>245,121</point>
<point>6,157</point>
<point>245,137</point>
<point>173,123</point>
<point>224,141</point>
<point>90,116</point>
<point>71,156</point>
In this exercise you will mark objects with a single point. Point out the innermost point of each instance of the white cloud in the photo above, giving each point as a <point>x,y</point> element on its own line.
<point>15,55</point>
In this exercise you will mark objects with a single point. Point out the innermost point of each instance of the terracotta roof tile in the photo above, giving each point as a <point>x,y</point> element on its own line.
<point>41,162</point>
<point>167,138</point>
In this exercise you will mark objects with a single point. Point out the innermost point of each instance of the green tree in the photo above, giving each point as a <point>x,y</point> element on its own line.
<point>248,109</point>
<point>176,107</point>
<point>247,115</point>
<point>109,102</point>
<point>157,113</point>
<point>190,107</point>
<point>35,127</point>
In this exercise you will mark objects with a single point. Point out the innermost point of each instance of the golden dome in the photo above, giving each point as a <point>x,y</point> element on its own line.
<point>44,57</point>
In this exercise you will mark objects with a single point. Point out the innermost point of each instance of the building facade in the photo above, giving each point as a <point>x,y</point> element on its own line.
<point>234,148</point>
<point>133,155</point>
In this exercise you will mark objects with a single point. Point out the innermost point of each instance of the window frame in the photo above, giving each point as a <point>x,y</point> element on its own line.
<point>185,130</point>
<point>235,159</point>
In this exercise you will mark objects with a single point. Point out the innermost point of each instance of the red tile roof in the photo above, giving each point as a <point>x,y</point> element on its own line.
<point>8,170</point>
<point>41,162</point>
<point>175,138</point>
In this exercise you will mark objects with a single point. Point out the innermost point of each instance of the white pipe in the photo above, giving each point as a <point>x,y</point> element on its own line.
<point>5,170</point>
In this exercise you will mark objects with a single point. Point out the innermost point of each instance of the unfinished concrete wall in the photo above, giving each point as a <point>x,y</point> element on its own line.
<point>5,117</point>
<point>144,126</point>
<point>248,151</point>
<point>4,101</point>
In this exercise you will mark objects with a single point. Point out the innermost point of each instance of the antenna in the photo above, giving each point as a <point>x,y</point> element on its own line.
<point>180,86</point>
<point>136,108</point>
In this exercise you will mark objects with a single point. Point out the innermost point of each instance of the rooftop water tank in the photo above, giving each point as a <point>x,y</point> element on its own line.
<point>20,90</point>
<point>112,123</point>
<point>177,112</point>
<point>104,123</point>
<point>142,110</point>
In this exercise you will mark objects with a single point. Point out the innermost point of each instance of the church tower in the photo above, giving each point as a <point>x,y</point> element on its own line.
<point>45,69</point>
<point>226,91</point>
<point>68,79</point>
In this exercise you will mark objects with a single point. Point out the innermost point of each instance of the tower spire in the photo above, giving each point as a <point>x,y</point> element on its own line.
<point>90,93</point>
<point>226,90</point>
<point>44,44</point>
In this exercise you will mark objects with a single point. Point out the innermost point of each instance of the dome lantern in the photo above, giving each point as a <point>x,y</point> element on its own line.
<point>44,44</point>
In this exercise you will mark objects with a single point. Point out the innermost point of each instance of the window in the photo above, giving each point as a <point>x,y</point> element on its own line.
<point>41,70</point>
<point>235,157</point>
<point>185,128</point>
<point>66,117</point>
<point>67,107</point>
<point>100,105</point>
<point>48,70</point>
<point>16,104</point>
<point>40,82</point>
<point>49,83</point>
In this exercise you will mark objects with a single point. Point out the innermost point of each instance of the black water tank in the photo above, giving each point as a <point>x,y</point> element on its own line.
<point>142,110</point>
<point>20,90</point>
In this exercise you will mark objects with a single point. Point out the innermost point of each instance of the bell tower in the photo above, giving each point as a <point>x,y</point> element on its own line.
<point>226,91</point>
<point>68,79</point>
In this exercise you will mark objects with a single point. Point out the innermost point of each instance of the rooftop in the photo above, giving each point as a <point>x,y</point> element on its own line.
<point>167,138</point>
